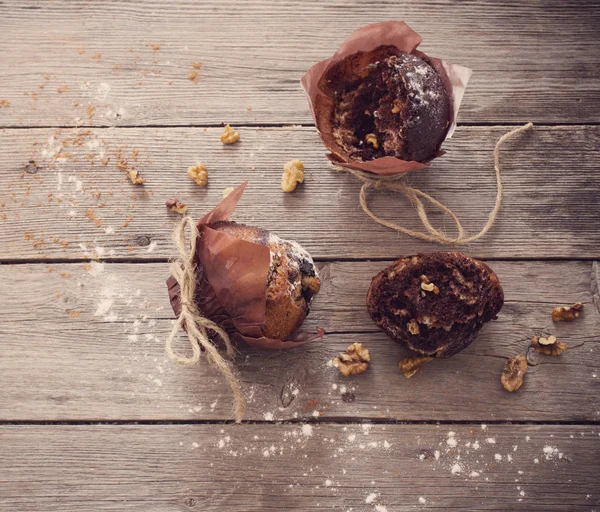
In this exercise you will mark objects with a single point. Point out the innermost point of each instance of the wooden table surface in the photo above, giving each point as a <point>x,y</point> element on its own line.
<point>93,414</point>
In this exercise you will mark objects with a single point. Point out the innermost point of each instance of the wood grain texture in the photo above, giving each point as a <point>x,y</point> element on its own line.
<point>74,206</point>
<point>260,468</point>
<point>532,61</point>
<point>87,343</point>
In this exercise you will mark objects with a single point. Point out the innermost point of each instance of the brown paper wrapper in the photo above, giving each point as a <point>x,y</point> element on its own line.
<point>231,282</point>
<point>370,39</point>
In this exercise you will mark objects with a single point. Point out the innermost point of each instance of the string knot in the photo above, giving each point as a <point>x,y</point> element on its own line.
<point>416,197</point>
<point>183,270</point>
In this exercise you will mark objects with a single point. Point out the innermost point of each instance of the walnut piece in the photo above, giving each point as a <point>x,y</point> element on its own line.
<point>227,191</point>
<point>397,106</point>
<point>198,173</point>
<point>371,138</point>
<point>428,286</point>
<point>413,327</point>
<point>229,136</point>
<point>548,346</point>
<point>176,206</point>
<point>353,361</point>
<point>135,177</point>
<point>410,365</point>
<point>293,173</point>
<point>513,373</point>
<point>567,313</point>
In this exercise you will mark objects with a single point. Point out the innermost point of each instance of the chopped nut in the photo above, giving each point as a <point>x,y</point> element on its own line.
<point>550,340</point>
<point>198,173</point>
<point>227,191</point>
<point>229,136</point>
<point>371,138</point>
<point>176,206</point>
<point>548,346</point>
<point>513,373</point>
<point>293,173</point>
<point>353,361</point>
<point>410,365</point>
<point>428,286</point>
<point>197,65</point>
<point>397,107</point>
<point>413,327</point>
<point>567,313</point>
<point>135,177</point>
<point>193,76</point>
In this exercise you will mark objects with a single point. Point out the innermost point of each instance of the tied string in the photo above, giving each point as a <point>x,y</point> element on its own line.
<point>417,198</point>
<point>183,270</point>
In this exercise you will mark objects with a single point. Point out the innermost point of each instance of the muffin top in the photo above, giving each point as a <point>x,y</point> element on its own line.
<point>396,105</point>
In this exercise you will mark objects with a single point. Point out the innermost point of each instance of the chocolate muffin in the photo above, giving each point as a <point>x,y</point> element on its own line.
<point>388,103</point>
<point>291,283</point>
<point>435,304</point>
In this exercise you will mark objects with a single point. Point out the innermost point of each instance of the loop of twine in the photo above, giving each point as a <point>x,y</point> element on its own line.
<point>183,269</point>
<point>415,196</point>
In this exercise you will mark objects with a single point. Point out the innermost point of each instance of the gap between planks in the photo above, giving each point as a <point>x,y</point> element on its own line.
<point>269,125</point>
<point>147,261</point>
<point>339,420</point>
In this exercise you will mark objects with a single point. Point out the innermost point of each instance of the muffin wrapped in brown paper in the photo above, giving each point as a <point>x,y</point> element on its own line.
<point>252,283</point>
<point>382,106</point>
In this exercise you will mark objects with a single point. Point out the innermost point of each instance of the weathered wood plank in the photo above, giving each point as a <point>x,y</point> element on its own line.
<point>59,62</point>
<point>59,364</point>
<point>380,468</point>
<point>74,206</point>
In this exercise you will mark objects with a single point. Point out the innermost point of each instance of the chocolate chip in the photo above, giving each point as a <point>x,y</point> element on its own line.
<point>348,397</point>
<point>142,240</point>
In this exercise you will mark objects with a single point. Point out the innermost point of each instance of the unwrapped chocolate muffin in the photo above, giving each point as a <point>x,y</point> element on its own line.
<point>388,103</point>
<point>435,304</point>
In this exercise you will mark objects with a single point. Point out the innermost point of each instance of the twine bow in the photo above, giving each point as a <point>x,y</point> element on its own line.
<point>416,197</point>
<point>183,270</point>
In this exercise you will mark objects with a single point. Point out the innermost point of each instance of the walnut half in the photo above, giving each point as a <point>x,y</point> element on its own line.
<point>198,173</point>
<point>229,136</point>
<point>567,313</point>
<point>548,346</point>
<point>513,373</point>
<point>293,173</point>
<point>410,365</point>
<point>353,361</point>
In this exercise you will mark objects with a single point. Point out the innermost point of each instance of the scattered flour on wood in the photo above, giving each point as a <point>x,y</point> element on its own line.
<point>371,498</point>
<point>307,430</point>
